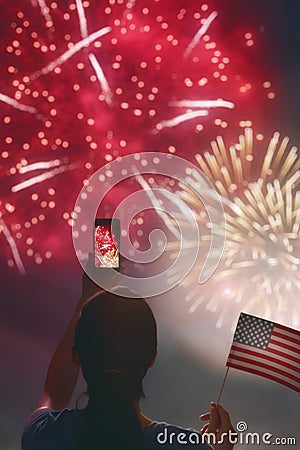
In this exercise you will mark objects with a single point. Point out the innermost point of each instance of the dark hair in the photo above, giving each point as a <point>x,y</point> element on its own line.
<point>116,342</point>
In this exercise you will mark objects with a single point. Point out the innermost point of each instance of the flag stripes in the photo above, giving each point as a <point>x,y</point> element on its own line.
<point>267,349</point>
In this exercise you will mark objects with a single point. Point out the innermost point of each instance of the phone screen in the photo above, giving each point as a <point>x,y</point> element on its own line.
<point>107,243</point>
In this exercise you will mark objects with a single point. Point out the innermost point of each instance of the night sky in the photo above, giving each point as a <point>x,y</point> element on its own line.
<point>75,126</point>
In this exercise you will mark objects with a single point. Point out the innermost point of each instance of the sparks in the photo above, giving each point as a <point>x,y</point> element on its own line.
<point>17,105</point>
<point>82,19</point>
<point>45,11</point>
<point>69,53</point>
<point>181,118</point>
<point>154,201</point>
<point>202,30</point>
<point>233,170</point>
<point>102,79</point>
<point>93,60</point>
<point>13,246</point>
<point>66,121</point>
<point>129,6</point>
<point>40,178</point>
<point>219,103</point>
<point>261,260</point>
<point>40,165</point>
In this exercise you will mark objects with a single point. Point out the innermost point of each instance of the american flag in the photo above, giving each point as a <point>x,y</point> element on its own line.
<point>268,349</point>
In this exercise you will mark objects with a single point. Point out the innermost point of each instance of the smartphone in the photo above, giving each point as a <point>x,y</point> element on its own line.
<point>107,243</point>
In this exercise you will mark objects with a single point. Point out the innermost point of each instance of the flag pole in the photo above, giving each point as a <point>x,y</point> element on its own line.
<point>223,384</point>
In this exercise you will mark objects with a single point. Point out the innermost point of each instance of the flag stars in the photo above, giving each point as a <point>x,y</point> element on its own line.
<point>253,331</point>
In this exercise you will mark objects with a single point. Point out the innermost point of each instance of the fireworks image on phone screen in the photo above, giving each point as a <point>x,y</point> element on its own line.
<point>106,247</point>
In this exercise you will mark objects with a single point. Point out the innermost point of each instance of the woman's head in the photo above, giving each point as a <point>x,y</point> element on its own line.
<point>116,334</point>
<point>115,341</point>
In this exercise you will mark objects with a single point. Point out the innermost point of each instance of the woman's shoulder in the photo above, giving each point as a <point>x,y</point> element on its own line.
<point>45,428</point>
<point>43,416</point>
<point>45,425</point>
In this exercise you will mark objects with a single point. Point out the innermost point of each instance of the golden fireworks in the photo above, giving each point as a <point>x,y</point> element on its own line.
<point>259,268</point>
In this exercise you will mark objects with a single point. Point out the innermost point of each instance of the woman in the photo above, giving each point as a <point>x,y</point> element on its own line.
<point>113,338</point>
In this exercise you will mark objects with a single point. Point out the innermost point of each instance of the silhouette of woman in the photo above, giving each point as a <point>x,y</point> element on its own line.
<point>112,336</point>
